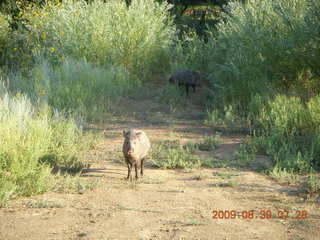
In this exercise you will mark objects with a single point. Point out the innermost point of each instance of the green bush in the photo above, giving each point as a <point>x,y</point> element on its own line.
<point>75,86</point>
<point>209,143</point>
<point>90,90</point>
<point>105,33</point>
<point>285,116</point>
<point>260,49</point>
<point>288,132</point>
<point>27,136</point>
<point>5,39</point>
<point>172,96</point>
<point>263,63</point>
<point>171,155</point>
<point>4,30</point>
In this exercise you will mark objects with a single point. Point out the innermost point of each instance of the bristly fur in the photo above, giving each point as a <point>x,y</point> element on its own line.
<point>135,149</point>
<point>186,78</point>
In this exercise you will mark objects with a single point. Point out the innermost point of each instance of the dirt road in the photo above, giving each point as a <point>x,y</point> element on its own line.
<point>165,204</point>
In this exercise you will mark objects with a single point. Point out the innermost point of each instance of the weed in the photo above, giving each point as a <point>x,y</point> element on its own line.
<point>200,177</point>
<point>210,143</point>
<point>279,173</point>
<point>43,204</point>
<point>72,184</point>
<point>224,184</point>
<point>166,156</point>
<point>223,175</point>
<point>191,146</point>
<point>213,163</point>
<point>33,142</point>
<point>172,97</point>
<point>207,144</point>
<point>313,184</point>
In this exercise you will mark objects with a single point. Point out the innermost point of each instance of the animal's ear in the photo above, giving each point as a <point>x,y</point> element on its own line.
<point>124,132</point>
<point>138,134</point>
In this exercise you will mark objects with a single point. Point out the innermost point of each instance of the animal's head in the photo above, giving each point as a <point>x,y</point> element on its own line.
<point>131,140</point>
<point>172,80</point>
<point>197,78</point>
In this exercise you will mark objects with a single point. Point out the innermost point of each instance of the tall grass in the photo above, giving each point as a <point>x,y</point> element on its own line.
<point>264,70</point>
<point>85,55</point>
<point>4,29</point>
<point>136,38</point>
<point>288,132</point>
<point>259,50</point>
<point>32,142</point>
<point>75,86</point>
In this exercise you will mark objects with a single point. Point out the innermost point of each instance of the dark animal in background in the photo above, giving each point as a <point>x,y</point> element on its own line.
<point>135,149</point>
<point>187,78</point>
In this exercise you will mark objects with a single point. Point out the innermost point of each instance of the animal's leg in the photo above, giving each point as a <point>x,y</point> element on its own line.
<point>129,171</point>
<point>187,89</point>
<point>136,170</point>
<point>180,88</point>
<point>141,170</point>
<point>194,88</point>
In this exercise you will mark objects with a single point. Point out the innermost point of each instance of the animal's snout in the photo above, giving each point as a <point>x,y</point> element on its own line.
<point>130,152</point>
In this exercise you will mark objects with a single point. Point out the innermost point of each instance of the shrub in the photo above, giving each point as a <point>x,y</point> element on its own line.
<point>75,86</point>
<point>260,50</point>
<point>172,96</point>
<point>173,156</point>
<point>105,33</point>
<point>4,30</point>
<point>27,135</point>
<point>264,70</point>
<point>285,116</point>
<point>288,132</point>
<point>209,143</point>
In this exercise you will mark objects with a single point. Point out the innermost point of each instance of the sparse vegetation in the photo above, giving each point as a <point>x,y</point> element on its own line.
<point>313,184</point>
<point>171,95</point>
<point>207,144</point>
<point>165,157</point>
<point>43,204</point>
<point>224,184</point>
<point>72,184</point>
<point>223,175</point>
<point>199,177</point>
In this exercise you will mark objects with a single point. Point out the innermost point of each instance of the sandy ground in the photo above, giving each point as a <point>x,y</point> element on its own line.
<point>165,204</point>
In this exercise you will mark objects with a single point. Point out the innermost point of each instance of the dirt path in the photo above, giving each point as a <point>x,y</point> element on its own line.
<point>165,204</point>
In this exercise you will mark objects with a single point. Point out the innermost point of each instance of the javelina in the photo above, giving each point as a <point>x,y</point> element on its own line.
<point>135,149</point>
<point>187,78</point>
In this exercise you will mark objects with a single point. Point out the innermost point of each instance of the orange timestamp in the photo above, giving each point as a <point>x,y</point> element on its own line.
<point>259,214</point>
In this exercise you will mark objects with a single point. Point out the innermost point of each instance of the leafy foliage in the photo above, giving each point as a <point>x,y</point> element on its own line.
<point>29,135</point>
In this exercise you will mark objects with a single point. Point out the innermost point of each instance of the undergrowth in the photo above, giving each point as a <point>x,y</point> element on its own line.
<point>172,154</point>
<point>34,141</point>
